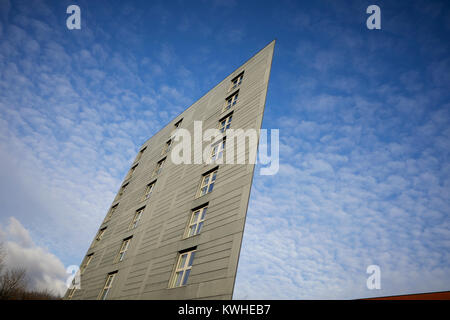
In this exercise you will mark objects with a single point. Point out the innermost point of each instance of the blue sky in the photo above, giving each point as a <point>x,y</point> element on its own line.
<point>364,119</point>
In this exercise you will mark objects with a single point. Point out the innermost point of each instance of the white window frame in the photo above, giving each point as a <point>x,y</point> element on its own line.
<point>107,287</point>
<point>136,218</point>
<point>196,221</point>
<point>100,235</point>
<point>231,101</point>
<point>217,150</point>
<point>226,121</point>
<point>71,292</point>
<point>177,124</point>
<point>111,212</point>
<point>122,190</point>
<point>139,156</point>
<point>207,183</point>
<point>149,190</point>
<point>158,167</point>
<point>86,263</point>
<point>131,172</point>
<point>236,81</point>
<point>123,249</point>
<point>167,147</point>
<point>182,269</point>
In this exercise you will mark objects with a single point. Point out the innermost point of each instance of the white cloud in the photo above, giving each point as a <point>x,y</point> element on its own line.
<point>363,180</point>
<point>73,115</point>
<point>17,233</point>
<point>44,270</point>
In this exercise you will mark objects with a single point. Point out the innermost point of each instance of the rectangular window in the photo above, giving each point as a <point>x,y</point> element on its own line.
<point>123,249</point>
<point>217,150</point>
<point>231,101</point>
<point>225,123</point>
<point>71,292</point>
<point>158,167</point>
<point>149,190</point>
<point>107,286</point>
<point>167,147</point>
<point>132,170</point>
<point>236,81</point>
<point>207,183</point>
<point>111,212</point>
<point>86,263</point>
<point>178,124</point>
<point>182,269</point>
<point>100,234</point>
<point>122,190</point>
<point>139,156</point>
<point>136,218</point>
<point>196,221</point>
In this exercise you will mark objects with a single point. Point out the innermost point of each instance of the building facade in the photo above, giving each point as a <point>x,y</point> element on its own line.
<point>174,231</point>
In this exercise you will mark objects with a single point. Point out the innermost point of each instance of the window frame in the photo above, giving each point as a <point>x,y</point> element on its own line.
<point>131,171</point>
<point>210,174</point>
<point>231,101</point>
<point>125,245</point>
<point>71,292</point>
<point>122,190</point>
<point>167,146</point>
<point>238,80</point>
<point>178,123</point>
<point>221,145</point>
<point>184,269</point>
<point>159,166</point>
<point>100,235</point>
<point>199,221</point>
<point>136,218</point>
<point>107,287</point>
<point>140,153</point>
<point>111,212</point>
<point>227,122</point>
<point>86,263</point>
<point>148,190</point>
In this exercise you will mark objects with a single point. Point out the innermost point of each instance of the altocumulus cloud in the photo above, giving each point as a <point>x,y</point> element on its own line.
<point>72,113</point>
<point>364,171</point>
<point>44,270</point>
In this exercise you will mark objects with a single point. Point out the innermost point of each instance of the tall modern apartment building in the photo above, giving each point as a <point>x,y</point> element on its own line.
<point>174,231</point>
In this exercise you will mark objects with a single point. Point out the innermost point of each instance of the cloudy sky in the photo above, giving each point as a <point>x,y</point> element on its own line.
<point>364,119</point>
